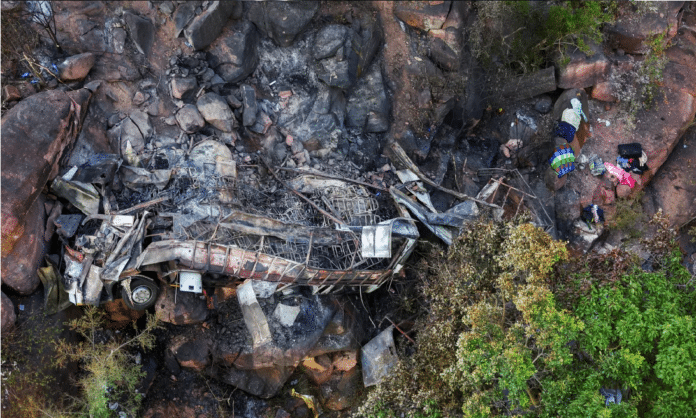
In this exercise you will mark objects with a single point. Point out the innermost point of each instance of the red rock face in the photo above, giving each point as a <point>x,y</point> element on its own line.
<point>36,132</point>
<point>20,265</point>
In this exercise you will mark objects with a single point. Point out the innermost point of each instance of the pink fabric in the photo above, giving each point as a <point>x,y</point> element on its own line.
<point>624,177</point>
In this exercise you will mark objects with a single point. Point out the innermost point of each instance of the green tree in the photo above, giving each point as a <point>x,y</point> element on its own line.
<point>111,372</point>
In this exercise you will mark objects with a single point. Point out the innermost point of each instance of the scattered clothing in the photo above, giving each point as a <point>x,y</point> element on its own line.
<point>571,117</point>
<point>563,160</point>
<point>565,169</point>
<point>632,150</point>
<point>631,165</point>
<point>597,166</point>
<point>577,107</point>
<point>593,214</point>
<point>623,176</point>
<point>565,130</point>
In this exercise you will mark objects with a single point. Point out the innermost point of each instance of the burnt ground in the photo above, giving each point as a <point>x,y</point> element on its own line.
<point>172,391</point>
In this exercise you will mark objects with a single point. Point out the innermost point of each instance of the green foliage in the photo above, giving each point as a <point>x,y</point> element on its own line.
<point>641,335</point>
<point>495,341</point>
<point>28,373</point>
<point>475,352</point>
<point>521,36</point>
<point>629,216</point>
<point>111,373</point>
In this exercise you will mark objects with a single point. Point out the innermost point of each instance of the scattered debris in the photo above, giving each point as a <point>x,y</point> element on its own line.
<point>378,357</point>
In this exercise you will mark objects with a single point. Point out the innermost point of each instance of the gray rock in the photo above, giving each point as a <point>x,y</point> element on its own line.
<point>139,98</point>
<point>215,111</point>
<point>181,86</point>
<point>280,151</point>
<point>543,105</point>
<point>443,55</point>
<point>142,32</point>
<point>250,107</point>
<point>208,25</point>
<point>142,122</point>
<point>282,21</point>
<point>123,133</point>
<point>376,122</point>
<point>118,39</point>
<point>7,311</point>
<point>369,96</point>
<point>233,101</point>
<point>167,7</point>
<point>235,57</point>
<point>365,45</point>
<point>336,73</point>
<point>322,104</point>
<point>328,40</point>
<point>76,67</point>
<point>189,119</point>
<point>184,14</point>
<point>216,80</point>
<point>208,74</point>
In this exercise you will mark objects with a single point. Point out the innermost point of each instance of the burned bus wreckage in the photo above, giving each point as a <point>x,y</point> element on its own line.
<point>189,221</point>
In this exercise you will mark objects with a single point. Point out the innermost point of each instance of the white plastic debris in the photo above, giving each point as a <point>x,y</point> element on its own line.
<point>286,314</point>
<point>190,281</point>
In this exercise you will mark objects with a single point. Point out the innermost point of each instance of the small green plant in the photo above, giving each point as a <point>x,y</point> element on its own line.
<point>629,216</point>
<point>27,373</point>
<point>111,373</point>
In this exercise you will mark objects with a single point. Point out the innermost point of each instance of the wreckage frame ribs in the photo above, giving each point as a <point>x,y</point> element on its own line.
<point>246,264</point>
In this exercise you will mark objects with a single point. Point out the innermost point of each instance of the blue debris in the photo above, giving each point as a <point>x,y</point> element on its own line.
<point>25,75</point>
<point>67,224</point>
<point>55,68</point>
<point>34,81</point>
<point>611,396</point>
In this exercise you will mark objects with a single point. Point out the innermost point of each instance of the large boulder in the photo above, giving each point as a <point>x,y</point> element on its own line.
<point>583,70</point>
<point>216,112</point>
<point>7,313</point>
<point>673,189</point>
<point>259,353</point>
<point>35,134</point>
<point>135,129</point>
<point>180,308</point>
<point>76,67</point>
<point>368,105</point>
<point>142,32</point>
<point>423,15</point>
<point>234,54</point>
<point>190,119</point>
<point>633,32</point>
<point>342,64</point>
<point>208,25</point>
<point>19,266</point>
<point>282,21</point>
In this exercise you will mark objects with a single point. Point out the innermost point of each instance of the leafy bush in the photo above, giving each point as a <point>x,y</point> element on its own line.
<point>521,36</point>
<point>496,342</point>
<point>111,373</point>
<point>489,326</point>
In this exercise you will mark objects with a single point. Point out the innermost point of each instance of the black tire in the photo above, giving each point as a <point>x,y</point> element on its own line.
<point>143,293</point>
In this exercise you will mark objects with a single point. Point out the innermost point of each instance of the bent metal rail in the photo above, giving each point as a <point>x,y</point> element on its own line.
<point>245,264</point>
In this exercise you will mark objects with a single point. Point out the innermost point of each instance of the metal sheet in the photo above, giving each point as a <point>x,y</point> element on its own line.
<point>190,281</point>
<point>376,241</point>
